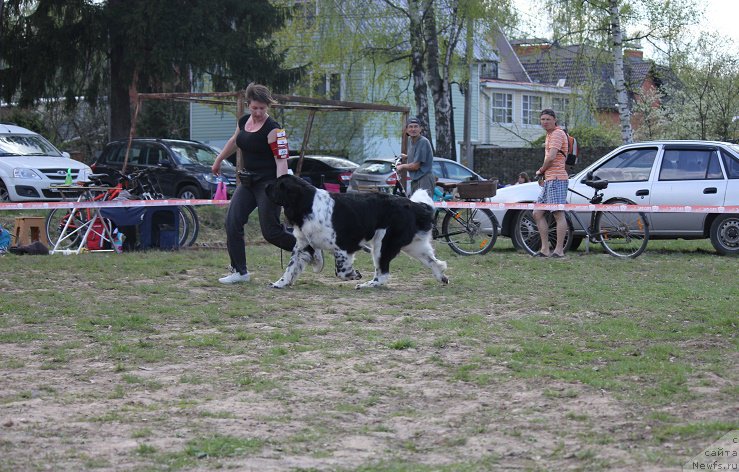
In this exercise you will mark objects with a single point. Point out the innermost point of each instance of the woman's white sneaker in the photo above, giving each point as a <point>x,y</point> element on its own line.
<point>235,278</point>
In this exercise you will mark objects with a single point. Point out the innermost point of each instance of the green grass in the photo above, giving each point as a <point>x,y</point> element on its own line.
<point>194,375</point>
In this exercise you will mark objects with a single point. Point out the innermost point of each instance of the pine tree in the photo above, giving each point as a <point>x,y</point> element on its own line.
<point>83,48</point>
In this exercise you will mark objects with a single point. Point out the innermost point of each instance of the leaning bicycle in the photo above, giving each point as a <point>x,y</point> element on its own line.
<point>64,226</point>
<point>621,234</point>
<point>467,231</point>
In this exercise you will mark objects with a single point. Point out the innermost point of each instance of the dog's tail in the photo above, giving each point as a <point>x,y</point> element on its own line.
<point>422,196</point>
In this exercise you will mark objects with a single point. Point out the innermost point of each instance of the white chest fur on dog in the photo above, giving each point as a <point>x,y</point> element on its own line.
<point>317,229</point>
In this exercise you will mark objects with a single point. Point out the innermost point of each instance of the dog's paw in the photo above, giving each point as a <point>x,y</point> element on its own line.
<point>369,284</point>
<point>444,280</point>
<point>279,284</point>
<point>355,275</point>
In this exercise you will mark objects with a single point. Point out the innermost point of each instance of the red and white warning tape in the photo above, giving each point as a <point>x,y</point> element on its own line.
<point>108,204</point>
<point>580,207</point>
<point>587,207</point>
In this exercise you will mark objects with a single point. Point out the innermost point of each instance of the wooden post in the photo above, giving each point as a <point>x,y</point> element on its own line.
<point>131,133</point>
<point>306,136</point>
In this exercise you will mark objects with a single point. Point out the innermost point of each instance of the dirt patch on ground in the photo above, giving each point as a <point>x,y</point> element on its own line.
<point>187,375</point>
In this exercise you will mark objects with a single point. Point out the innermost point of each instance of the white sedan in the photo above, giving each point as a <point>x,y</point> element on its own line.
<point>652,173</point>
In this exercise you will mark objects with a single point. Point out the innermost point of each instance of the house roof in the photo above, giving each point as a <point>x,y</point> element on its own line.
<point>580,65</point>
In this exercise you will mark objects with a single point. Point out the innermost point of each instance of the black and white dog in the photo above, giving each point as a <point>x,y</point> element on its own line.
<point>344,222</point>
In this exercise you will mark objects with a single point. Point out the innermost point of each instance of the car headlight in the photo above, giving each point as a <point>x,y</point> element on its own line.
<point>23,173</point>
<point>210,178</point>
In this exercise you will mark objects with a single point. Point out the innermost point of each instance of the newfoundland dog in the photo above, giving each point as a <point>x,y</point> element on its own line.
<point>345,222</point>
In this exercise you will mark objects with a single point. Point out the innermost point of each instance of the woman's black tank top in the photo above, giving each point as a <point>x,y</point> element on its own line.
<point>255,150</point>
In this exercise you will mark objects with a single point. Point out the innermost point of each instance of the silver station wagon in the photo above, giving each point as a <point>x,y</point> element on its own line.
<point>653,173</point>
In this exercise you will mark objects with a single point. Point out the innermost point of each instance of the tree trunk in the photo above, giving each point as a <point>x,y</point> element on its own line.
<point>439,88</point>
<point>624,111</point>
<point>120,104</point>
<point>468,96</point>
<point>418,71</point>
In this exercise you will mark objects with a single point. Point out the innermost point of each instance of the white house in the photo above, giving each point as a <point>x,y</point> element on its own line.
<point>505,108</point>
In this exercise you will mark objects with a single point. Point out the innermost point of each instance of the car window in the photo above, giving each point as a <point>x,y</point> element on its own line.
<point>457,172</point>
<point>110,154</point>
<point>308,165</point>
<point>438,169</point>
<point>375,167</point>
<point>687,164</point>
<point>336,162</point>
<point>631,165</point>
<point>26,145</point>
<point>714,168</point>
<point>190,154</point>
<point>731,164</point>
<point>133,155</point>
<point>155,154</point>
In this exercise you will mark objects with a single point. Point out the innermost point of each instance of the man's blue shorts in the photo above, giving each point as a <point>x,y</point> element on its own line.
<point>553,191</point>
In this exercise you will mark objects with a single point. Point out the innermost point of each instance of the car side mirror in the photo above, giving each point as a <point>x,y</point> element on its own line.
<point>165,163</point>
<point>66,154</point>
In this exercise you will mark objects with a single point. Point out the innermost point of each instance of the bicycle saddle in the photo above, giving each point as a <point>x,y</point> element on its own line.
<point>596,184</point>
<point>96,176</point>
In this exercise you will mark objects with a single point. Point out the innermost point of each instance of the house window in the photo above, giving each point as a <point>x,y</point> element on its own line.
<point>489,70</point>
<point>327,86</point>
<point>502,108</point>
<point>531,109</point>
<point>334,87</point>
<point>560,105</point>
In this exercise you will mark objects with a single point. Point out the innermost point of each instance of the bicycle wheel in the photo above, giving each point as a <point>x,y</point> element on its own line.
<point>189,226</point>
<point>622,234</point>
<point>56,221</point>
<point>470,231</point>
<point>526,233</point>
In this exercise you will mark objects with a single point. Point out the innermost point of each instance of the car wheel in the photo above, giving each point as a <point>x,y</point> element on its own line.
<point>526,233</point>
<point>4,194</point>
<point>725,235</point>
<point>189,192</point>
<point>576,241</point>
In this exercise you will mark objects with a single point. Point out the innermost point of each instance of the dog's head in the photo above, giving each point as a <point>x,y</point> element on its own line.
<point>290,191</point>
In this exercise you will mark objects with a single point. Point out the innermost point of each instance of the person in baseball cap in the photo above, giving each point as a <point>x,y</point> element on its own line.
<point>420,158</point>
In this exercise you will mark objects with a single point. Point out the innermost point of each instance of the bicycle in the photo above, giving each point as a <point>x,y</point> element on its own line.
<point>143,186</point>
<point>65,234</point>
<point>467,231</point>
<point>622,234</point>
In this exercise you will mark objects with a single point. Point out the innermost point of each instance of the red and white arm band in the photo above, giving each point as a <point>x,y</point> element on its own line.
<point>279,147</point>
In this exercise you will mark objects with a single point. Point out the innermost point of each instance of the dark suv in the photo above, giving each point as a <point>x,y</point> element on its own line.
<point>184,166</point>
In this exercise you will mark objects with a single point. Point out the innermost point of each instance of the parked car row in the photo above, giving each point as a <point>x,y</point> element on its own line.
<point>650,173</point>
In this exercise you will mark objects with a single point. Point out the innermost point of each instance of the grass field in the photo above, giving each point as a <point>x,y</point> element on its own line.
<point>142,361</point>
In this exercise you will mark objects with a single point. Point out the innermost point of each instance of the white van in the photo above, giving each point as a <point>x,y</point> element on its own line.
<point>29,165</point>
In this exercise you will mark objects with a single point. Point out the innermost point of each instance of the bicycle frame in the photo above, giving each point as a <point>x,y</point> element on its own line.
<point>590,229</point>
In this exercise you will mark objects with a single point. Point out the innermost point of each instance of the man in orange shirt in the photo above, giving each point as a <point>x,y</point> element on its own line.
<point>554,187</point>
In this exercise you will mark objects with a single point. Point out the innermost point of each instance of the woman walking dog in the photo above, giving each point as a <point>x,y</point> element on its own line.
<point>264,149</point>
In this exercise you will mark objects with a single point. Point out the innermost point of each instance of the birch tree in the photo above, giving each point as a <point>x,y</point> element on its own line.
<point>610,24</point>
<point>411,40</point>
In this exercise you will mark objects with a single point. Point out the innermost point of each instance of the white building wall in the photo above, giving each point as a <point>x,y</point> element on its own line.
<point>515,134</point>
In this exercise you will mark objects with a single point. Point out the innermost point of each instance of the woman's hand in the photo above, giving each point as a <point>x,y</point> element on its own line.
<point>216,168</point>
